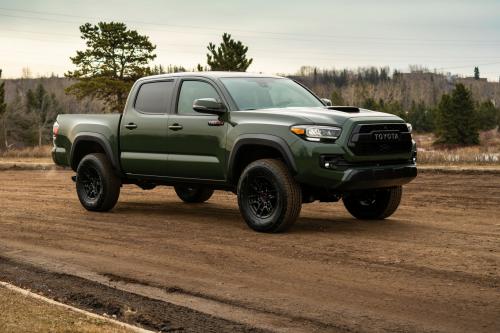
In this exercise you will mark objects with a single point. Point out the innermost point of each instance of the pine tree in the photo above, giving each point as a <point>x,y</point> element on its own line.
<point>229,56</point>
<point>487,115</point>
<point>370,104</point>
<point>476,73</point>
<point>421,117</point>
<point>115,57</point>
<point>337,98</point>
<point>457,122</point>
<point>44,108</point>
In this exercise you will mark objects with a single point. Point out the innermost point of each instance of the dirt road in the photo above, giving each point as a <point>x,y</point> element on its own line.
<point>434,266</point>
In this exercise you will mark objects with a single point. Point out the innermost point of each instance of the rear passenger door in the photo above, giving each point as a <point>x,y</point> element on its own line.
<point>143,129</point>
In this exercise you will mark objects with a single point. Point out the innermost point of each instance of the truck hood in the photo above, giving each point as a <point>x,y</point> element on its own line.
<point>320,115</point>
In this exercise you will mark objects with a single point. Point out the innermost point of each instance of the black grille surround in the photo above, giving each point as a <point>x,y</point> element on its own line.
<point>362,140</point>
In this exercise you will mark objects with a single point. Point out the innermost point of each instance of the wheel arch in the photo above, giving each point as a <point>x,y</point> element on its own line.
<point>271,147</point>
<point>87,143</point>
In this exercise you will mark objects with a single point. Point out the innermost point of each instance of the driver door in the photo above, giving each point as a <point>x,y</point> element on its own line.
<point>196,142</point>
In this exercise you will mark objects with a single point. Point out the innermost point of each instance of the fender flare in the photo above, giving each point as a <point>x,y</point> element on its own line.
<point>267,140</point>
<point>100,140</point>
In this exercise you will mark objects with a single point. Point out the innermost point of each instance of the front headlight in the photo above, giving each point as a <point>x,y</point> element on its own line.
<point>317,133</point>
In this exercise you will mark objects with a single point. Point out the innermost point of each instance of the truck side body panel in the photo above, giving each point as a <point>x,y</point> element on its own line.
<point>81,129</point>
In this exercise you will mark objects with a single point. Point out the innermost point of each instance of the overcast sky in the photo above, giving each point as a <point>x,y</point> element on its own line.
<point>282,35</point>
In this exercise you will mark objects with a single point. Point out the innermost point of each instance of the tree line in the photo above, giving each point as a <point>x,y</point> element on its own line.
<point>115,57</point>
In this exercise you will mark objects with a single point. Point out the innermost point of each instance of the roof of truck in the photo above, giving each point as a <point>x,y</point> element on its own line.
<point>212,75</point>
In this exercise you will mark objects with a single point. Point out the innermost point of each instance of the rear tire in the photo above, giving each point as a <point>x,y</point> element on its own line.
<point>97,185</point>
<point>375,204</point>
<point>193,194</point>
<point>269,198</point>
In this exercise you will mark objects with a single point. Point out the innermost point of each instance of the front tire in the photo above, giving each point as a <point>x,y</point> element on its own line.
<point>193,194</point>
<point>97,185</point>
<point>268,197</point>
<point>375,204</point>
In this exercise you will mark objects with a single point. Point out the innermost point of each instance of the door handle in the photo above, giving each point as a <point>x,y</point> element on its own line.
<point>175,127</point>
<point>131,126</point>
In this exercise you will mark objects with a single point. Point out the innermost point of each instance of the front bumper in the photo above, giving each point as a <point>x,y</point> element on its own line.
<point>348,172</point>
<point>358,178</point>
<point>387,176</point>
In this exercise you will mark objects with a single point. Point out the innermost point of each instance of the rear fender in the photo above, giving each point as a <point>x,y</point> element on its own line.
<point>97,138</point>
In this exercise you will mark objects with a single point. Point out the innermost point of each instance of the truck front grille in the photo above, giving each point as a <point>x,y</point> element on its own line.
<point>380,139</point>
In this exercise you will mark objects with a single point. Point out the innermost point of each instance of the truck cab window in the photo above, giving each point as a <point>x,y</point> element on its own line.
<point>192,90</point>
<point>154,97</point>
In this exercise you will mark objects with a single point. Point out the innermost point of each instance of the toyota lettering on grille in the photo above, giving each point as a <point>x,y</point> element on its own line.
<point>386,136</point>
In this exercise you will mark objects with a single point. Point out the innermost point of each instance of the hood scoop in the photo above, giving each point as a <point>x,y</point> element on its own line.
<point>349,109</point>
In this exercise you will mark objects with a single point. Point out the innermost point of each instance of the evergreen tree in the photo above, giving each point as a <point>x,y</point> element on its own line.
<point>115,57</point>
<point>421,117</point>
<point>159,69</point>
<point>487,116</point>
<point>229,56</point>
<point>200,68</point>
<point>457,122</point>
<point>476,73</point>
<point>3,107</point>
<point>337,98</point>
<point>44,108</point>
<point>394,108</point>
<point>370,103</point>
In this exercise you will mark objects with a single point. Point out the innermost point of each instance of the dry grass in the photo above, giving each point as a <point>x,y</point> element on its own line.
<point>28,152</point>
<point>487,153</point>
<point>20,313</point>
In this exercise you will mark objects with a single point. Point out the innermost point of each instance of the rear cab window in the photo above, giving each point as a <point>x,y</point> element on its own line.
<point>154,97</point>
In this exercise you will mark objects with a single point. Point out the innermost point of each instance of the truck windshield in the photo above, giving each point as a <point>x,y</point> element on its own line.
<point>252,93</point>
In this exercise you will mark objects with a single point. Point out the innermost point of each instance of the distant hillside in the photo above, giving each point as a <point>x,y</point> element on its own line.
<point>355,87</point>
<point>17,88</point>
<point>20,127</point>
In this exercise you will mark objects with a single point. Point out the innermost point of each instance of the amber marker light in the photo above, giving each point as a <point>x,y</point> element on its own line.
<point>298,130</point>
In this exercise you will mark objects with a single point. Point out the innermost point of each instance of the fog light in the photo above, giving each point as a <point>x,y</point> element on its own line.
<point>329,161</point>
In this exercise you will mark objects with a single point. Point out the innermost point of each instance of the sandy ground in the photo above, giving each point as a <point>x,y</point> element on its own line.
<point>434,266</point>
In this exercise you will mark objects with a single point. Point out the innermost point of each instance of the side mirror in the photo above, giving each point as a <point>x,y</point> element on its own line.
<point>209,105</point>
<point>326,101</point>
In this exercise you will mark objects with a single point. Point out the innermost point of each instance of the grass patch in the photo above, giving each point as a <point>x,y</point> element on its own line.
<point>27,152</point>
<point>20,313</point>
<point>486,153</point>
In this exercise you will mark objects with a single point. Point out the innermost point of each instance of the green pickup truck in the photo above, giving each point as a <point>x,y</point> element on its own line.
<point>266,138</point>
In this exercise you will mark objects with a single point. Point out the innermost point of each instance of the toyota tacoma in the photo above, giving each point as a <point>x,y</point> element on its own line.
<point>268,139</point>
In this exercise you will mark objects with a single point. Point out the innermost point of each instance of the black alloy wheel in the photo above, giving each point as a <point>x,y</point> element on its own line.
<point>97,185</point>
<point>269,198</point>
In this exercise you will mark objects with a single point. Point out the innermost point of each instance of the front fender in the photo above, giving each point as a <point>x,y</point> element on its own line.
<point>267,140</point>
